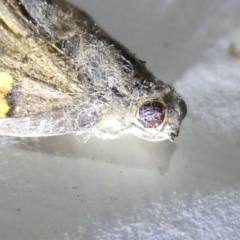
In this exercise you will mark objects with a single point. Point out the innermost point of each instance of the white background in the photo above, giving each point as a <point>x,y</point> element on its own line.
<point>59,188</point>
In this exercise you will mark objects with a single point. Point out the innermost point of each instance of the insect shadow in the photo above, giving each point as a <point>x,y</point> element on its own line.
<point>129,151</point>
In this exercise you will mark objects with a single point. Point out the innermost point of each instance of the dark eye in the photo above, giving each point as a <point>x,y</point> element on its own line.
<point>151,114</point>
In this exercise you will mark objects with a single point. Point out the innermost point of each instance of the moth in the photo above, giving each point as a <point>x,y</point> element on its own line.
<point>60,73</point>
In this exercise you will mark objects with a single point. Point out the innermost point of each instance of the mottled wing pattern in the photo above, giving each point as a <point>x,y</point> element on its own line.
<point>40,92</point>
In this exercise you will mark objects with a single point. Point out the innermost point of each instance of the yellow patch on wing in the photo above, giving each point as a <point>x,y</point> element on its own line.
<point>6,83</point>
<point>4,107</point>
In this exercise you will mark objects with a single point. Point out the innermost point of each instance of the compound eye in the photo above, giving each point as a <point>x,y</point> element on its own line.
<point>151,114</point>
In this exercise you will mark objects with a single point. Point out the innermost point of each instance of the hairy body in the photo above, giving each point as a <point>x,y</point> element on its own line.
<point>60,73</point>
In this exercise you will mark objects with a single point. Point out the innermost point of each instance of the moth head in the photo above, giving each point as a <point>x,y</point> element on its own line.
<point>158,118</point>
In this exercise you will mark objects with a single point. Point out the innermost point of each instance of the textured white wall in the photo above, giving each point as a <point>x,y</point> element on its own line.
<point>59,188</point>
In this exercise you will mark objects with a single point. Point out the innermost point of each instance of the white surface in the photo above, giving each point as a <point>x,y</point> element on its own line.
<point>59,188</point>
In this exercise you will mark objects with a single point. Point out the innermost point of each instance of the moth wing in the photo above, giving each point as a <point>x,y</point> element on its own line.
<point>57,122</point>
<point>31,108</point>
<point>39,48</point>
<point>40,93</point>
